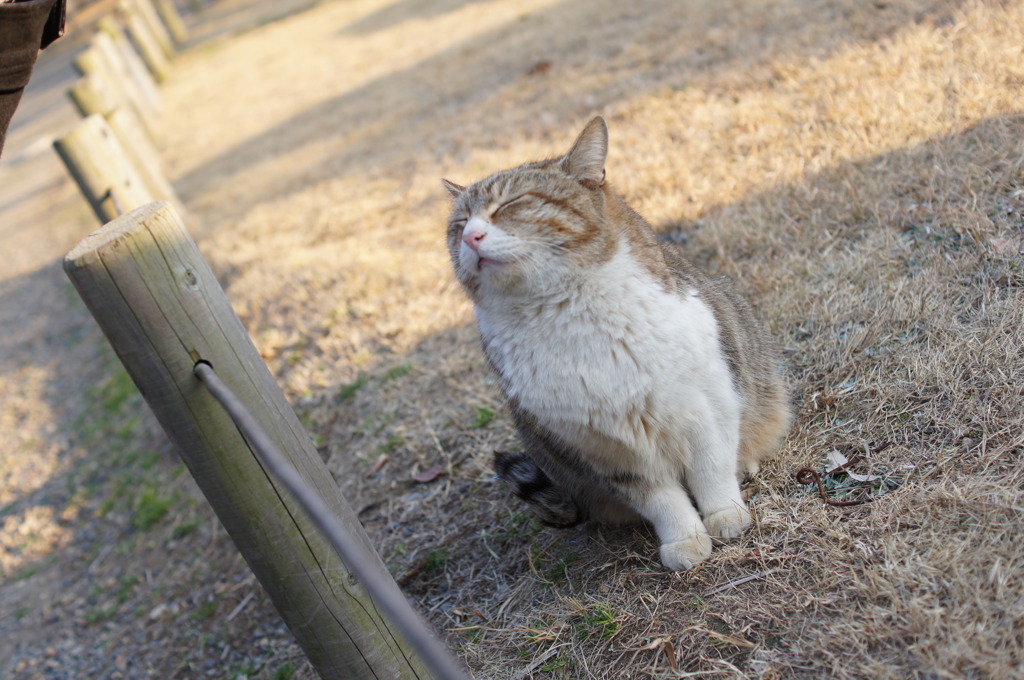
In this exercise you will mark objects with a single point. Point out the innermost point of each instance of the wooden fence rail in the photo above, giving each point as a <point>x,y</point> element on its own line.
<point>161,308</point>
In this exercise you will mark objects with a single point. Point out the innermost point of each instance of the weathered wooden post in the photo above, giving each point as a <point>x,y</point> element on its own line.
<point>100,167</point>
<point>155,23</point>
<point>173,21</point>
<point>131,64</point>
<point>92,63</point>
<point>91,97</point>
<point>160,306</point>
<point>153,55</point>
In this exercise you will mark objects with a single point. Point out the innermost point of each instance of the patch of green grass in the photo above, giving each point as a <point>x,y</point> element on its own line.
<point>560,664</point>
<point>243,671</point>
<point>348,391</point>
<point>598,621</point>
<point>557,571</point>
<point>284,672</point>
<point>123,489</point>
<point>205,610</point>
<point>396,372</point>
<point>523,651</point>
<point>100,614</point>
<point>517,524</point>
<point>124,590</point>
<point>186,527</point>
<point>150,507</point>
<point>30,444</point>
<point>204,641</point>
<point>368,425</point>
<point>125,430</point>
<point>115,391</point>
<point>482,418</point>
<point>391,445</point>
<point>435,561</point>
<point>473,635</point>
<point>538,631</point>
<point>147,460</point>
<point>111,602</point>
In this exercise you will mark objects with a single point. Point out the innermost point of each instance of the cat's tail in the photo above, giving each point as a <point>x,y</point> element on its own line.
<point>550,503</point>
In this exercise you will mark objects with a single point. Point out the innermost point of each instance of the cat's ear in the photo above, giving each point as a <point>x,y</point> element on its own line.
<point>454,189</point>
<point>587,156</point>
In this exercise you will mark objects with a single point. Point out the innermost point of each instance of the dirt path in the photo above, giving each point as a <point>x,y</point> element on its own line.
<point>73,554</point>
<point>857,166</point>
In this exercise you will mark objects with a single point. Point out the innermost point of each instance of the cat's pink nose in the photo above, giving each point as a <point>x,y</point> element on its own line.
<point>472,236</point>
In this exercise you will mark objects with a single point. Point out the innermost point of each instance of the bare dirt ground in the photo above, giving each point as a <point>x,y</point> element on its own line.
<point>858,167</point>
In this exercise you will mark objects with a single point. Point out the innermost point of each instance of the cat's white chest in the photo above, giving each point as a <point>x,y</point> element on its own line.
<point>618,359</point>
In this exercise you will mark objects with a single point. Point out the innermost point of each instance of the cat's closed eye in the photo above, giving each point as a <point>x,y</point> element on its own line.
<point>510,204</point>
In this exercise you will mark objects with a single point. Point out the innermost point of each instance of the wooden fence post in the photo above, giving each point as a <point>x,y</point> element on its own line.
<point>172,19</point>
<point>93,64</point>
<point>89,97</point>
<point>153,55</point>
<point>101,168</point>
<point>131,64</point>
<point>161,308</point>
<point>151,16</point>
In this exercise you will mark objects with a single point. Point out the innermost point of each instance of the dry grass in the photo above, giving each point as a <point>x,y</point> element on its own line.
<point>858,167</point>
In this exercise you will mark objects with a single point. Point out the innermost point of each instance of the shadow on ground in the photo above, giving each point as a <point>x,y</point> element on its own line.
<point>545,71</point>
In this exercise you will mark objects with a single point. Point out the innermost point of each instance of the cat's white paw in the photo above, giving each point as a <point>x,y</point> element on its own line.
<point>686,554</point>
<point>726,525</point>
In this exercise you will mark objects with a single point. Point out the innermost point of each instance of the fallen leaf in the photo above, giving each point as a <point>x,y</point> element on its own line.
<point>381,462</point>
<point>430,475</point>
<point>665,643</point>
<point>836,459</point>
<point>538,68</point>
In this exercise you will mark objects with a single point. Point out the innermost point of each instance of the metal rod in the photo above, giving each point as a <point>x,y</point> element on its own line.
<point>382,588</point>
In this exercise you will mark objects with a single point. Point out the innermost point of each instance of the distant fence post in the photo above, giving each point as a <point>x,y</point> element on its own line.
<point>92,63</point>
<point>161,308</point>
<point>148,11</point>
<point>148,45</point>
<point>172,19</point>
<point>91,97</point>
<point>126,59</point>
<point>102,169</point>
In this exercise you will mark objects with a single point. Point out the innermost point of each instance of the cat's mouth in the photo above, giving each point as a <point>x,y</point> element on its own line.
<point>487,262</point>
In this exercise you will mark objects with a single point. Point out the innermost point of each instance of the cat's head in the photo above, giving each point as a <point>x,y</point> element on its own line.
<point>527,228</point>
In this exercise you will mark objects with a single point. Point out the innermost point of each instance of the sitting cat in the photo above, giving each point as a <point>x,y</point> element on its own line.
<point>638,385</point>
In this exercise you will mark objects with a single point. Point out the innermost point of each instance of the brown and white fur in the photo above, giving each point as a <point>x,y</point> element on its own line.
<point>638,385</point>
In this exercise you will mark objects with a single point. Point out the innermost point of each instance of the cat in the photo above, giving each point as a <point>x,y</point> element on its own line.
<point>638,385</point>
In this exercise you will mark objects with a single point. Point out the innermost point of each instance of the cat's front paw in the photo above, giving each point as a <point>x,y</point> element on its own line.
<point>686,554</point>
<point>727,525</point>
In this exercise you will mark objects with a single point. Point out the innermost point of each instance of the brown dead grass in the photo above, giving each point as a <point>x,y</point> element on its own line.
<point>858,167</point>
